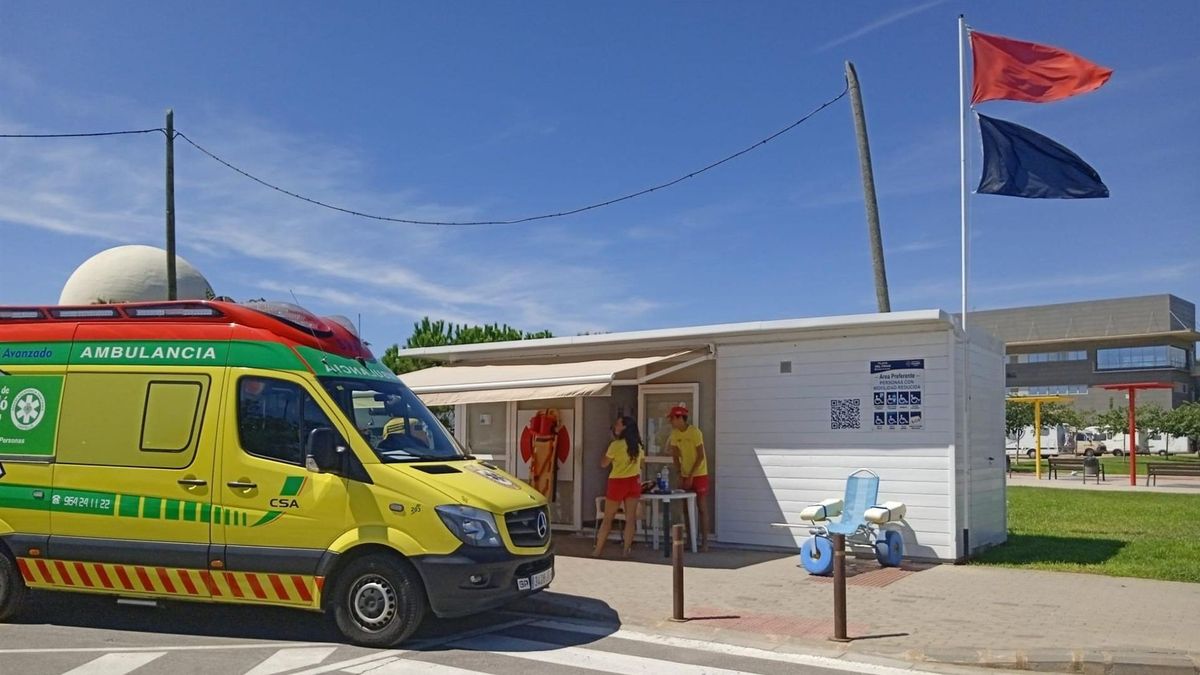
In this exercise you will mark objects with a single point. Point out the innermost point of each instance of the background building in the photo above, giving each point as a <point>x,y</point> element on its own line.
<point>1073,348</point>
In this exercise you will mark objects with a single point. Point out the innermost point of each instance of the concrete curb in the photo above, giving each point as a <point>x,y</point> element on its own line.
<point>1076,660</point>
<point>1100,662</point>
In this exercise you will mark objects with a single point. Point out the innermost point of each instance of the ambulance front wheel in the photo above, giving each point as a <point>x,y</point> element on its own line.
<point>817,556</point>
<point>378,601</point>
<point>12,588</point>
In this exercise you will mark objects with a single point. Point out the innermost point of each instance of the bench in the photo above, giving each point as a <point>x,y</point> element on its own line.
<point>1076,463</point>
<point>1156,469</point>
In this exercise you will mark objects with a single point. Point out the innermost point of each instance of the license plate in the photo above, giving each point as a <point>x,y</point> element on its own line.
<point>539,580</point>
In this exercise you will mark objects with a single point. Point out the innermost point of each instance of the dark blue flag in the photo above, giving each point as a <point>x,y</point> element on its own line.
<point>1020,162</point>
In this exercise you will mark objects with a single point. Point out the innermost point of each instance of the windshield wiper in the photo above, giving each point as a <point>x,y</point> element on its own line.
<point>410,457</point>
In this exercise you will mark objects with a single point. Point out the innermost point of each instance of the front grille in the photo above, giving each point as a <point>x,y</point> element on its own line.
<point>523,527</point>
<point>531,568</point>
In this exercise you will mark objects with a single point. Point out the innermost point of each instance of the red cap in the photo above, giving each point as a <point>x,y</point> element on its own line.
<point>678,411</point>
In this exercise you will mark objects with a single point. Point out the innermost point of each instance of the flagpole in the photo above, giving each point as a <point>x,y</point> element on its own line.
<point>962,160</point>
<point>966,345</point>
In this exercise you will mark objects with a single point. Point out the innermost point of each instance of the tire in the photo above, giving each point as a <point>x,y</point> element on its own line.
<point>12,589</point>
<point>1162,453</point>
<point>1030,454</point>
<point>889,550</point>
<point>1118,452</point>
<point>378,601</point>
<point>817,556</point>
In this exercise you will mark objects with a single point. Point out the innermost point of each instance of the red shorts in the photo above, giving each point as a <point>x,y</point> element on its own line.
<point>620,489</point>
<point>699,485</point>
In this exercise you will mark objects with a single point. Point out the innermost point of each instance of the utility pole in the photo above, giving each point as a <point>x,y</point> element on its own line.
<point>172,292</point>
<point>868,178</point>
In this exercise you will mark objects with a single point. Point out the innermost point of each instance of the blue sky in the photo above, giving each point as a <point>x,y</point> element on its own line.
<point>477,110</point>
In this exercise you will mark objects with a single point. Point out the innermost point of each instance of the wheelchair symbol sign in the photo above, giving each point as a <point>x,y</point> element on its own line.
<point>879,398</point>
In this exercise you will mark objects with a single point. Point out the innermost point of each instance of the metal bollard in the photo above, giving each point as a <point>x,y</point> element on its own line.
<point>677,564</point>
<point>839,588</point>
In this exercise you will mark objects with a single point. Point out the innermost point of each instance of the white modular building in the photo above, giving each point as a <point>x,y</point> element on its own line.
<point>788,410</point>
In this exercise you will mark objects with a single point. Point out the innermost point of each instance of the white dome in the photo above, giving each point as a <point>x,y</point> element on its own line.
<point>132,274</point>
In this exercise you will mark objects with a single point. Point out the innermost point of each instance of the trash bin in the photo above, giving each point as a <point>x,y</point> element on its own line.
<point>1091,467</point>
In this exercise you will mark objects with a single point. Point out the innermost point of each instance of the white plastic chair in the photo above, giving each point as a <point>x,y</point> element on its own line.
<point>619,517</point>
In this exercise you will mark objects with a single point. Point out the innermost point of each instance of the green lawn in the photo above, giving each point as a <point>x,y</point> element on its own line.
<point>1113,465</point>
<point>1152,535</point>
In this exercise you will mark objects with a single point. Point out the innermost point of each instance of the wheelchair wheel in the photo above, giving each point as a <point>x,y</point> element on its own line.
<point>889,549</point>
<point>817,556</point>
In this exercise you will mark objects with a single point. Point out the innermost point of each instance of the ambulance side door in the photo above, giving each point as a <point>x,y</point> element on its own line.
<point>276,518</point>
<point>133,476</point>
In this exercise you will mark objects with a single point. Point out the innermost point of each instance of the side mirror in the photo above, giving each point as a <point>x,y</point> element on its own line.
<point>320,453</point>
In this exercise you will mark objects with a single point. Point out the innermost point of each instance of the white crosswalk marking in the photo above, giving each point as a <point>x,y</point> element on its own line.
<point>349,663</point>
<point>825,662</point>
<point>579,657</point>
<point>723,649</point>
<point>291,659</point>
<point>115,664</point>
<point>368,667</point>
<point>408,667</point>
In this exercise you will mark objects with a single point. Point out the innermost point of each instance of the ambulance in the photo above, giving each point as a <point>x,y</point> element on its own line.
<point>256,454</point>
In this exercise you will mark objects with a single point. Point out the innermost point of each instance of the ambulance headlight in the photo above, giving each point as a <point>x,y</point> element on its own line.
<point>472,526</point>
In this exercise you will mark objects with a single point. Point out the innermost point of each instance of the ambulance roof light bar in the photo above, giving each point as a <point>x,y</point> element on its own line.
<point>294,315</point>
<point>21,313</point>
<point>175,310</point>
<point>84,312</point>
<point>344,322</point>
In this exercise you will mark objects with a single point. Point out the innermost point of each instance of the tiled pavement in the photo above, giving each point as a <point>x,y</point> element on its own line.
<point>948,613</point>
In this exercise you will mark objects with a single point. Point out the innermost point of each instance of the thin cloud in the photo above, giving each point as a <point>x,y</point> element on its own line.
<point>1041,290</point>
<point>245,237</point>
<point>877,24</point>
<point>918,246</point>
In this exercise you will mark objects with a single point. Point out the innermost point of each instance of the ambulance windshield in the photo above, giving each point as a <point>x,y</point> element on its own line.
<point>394,422</point>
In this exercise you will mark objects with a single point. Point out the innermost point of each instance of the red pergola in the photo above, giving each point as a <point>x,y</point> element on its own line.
<point>1132,388</point>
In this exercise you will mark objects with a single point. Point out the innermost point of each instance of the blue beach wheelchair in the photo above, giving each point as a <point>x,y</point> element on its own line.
<point>859,518</point>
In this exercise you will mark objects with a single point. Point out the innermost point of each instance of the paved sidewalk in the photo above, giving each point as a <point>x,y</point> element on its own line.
<point>924,613</point>
<point>1180,485</point>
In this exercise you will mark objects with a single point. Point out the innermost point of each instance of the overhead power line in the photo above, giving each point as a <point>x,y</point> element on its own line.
<point>410,221</point>
<point>526,219</point>
<point>86,135</point>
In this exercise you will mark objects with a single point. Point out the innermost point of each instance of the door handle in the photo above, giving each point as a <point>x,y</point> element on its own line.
<point>239,485</point>
<point>192,482</point>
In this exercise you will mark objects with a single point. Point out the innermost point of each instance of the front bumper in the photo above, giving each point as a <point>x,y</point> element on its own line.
<point>451,592</point>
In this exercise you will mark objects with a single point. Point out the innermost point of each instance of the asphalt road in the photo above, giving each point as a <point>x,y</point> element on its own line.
<point>87,635</point>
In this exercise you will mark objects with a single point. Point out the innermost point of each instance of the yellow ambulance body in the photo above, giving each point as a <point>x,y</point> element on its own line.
<point>237,453</point>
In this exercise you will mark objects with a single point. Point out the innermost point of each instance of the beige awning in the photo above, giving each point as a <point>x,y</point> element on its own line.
<point>450,385</point>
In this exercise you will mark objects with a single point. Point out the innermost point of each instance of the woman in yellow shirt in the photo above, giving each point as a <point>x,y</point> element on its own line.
<point>625,454</point>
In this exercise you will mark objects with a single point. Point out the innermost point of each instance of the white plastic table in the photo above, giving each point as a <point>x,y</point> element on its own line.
<point>658,500</point>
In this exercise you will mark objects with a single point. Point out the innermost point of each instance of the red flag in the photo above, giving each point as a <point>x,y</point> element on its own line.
<point>1027,71</point>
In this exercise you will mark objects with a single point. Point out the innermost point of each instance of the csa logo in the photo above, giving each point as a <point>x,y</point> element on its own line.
<point>28,409</point>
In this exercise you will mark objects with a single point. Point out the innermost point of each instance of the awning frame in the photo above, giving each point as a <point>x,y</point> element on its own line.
<point>598,384</point>
<point>708,356</point>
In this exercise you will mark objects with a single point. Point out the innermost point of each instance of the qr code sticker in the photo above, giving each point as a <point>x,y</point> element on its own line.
<point>845,414</point>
